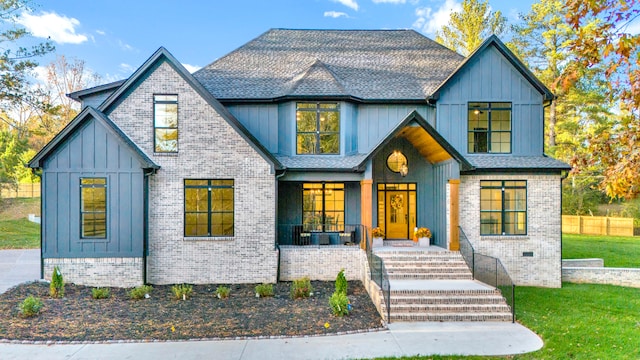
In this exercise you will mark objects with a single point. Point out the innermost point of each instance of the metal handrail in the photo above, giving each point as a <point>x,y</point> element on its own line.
<point>378,273</point>
<point>489,270</point>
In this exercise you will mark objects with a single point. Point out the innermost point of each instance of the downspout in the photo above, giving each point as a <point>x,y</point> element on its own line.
<point>145,232</point>
<point>41,223</point>
<point>562,178</point>
<point>275,241</point>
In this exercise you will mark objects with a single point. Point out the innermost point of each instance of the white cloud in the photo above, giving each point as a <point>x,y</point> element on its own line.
<point>389,1</point>
<point>125,46</point>
<point>335,14</point>
<point>633,27</point>
<point>126,68</point>
<point>348,3</point>
<point>191,68</point>
<point>59,28</point>
<point>430,21</point>
<point>100,32</point>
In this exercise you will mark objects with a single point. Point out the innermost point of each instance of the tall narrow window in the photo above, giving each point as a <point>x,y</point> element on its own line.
<point>323,206</point>
<point>165,123</point>
<point>489,127</point>
<point>93,208</point>
<point>208,208</point>
<point>318,128</point>
<point>503,207</point>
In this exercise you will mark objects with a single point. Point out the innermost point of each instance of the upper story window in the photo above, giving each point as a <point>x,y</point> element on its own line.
<point>165,123</point>
<point>318,128</point>
<point>489,127</point>
<point>93,208</point>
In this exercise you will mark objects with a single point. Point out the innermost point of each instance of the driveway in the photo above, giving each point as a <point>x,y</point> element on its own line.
<point>18,266</point>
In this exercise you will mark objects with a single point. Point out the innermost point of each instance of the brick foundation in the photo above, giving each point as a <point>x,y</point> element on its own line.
<point>321,262</point>
<point>111,272</point>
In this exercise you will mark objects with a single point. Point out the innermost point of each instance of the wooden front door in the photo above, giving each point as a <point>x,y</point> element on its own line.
<point>397,219</point>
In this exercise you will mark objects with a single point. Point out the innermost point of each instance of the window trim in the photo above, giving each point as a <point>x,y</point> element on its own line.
<point>105,186</point>
<point>155,128</point>
<point>489,130</point>
<point>317,132</point>
<point>502,209</point>
<point>209,186</point>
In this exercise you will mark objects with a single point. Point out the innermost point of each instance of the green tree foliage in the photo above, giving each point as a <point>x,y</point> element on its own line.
<point>468,28</point>
<point>12,160</point>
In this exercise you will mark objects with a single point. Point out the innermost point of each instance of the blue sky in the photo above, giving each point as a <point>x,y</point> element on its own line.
<point>115,37</point>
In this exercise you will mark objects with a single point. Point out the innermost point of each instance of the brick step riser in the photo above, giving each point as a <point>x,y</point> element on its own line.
<point>431,277</point>
<point>450,317</point>
<point>412,270</point>
<point>448,300</point>
<point>420,257</point>
<point>458,309</point>
<point>443,293</point>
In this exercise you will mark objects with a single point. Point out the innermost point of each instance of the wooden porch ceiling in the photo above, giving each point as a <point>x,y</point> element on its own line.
<point>426,145</point>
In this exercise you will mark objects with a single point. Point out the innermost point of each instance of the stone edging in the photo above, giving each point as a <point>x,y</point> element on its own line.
<point>276,337</point>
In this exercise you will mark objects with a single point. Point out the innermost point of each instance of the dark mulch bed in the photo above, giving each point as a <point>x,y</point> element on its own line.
<point>78,317</point>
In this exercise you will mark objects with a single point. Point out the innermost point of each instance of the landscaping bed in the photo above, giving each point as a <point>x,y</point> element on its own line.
<point>79,317</point>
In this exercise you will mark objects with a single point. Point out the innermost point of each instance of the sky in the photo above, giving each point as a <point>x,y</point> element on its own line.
<point>115,37</point>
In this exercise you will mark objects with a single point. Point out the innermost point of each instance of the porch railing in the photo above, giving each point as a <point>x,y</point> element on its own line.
<point>313,234</point>
<point>379,273</point>
<point>490,271</point>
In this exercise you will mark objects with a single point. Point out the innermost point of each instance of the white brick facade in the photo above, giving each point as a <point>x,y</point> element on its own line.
<point>208,148</point>
<point>113,272</point>
<point>543,229</point>
<point>321,262</point>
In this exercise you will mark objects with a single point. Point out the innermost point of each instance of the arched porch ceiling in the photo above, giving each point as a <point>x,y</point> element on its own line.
<point>427,146</point>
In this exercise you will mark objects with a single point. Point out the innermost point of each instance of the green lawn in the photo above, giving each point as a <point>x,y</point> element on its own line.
<point>579,321</point>
<point>617,251</point>
<point>19,234</point>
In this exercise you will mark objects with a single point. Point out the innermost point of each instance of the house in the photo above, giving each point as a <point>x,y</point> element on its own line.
<point>263,164</point>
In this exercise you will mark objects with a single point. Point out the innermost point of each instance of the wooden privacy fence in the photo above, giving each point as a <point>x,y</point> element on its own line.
<point>23,190</point>
<point>597,225</point>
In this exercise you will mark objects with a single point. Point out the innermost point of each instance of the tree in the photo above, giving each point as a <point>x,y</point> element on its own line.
<point>467,29</point>
<point>16,62</point>
<point>11,160</point>
<point>603,39</point>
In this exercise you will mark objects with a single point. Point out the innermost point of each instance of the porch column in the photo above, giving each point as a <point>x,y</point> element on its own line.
<point>366,205</point>
<point>454,217</point>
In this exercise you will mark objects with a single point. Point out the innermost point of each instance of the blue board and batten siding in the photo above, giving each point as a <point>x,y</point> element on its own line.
<point>261,121</point>
<point>491,78</point>
<point>375,122</point>
<point>442,173</point>
<point>92,151</point>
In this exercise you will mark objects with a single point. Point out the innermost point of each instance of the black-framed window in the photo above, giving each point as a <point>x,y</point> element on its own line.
<point>93,208</point>
<point>208,208</point>
<point>489,127</point>
<point>323,206</point>
<point>165,123</point>
<point>317,128</point>
<point>503,207</point>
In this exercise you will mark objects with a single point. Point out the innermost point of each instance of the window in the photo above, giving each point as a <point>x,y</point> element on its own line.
<point>318,128</point>
<point>165,123</point>
<point>208,208</point>
<point>503,207</point>
<point>323,207</point>
<point>93,208</point>
<point>489,129</point>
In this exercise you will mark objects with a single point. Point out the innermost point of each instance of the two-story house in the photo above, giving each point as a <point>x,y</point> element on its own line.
<point>269,162</point>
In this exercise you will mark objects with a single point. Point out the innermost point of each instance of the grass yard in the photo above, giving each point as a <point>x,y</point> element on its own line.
<point>617,251</point>
<point>16,232</point>
<point>579,321</point>
<point>19,234</point>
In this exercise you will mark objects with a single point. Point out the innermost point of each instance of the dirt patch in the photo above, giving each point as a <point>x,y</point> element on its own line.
<point>78,317</point>
<point>14,209</point>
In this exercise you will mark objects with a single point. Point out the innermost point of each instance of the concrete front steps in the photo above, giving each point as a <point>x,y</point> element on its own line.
<point>432,284</point>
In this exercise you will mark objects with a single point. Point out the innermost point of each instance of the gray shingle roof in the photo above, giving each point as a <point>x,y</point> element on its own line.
<point>321,161</point>
<point>515,162</point>
<point>366,64</point>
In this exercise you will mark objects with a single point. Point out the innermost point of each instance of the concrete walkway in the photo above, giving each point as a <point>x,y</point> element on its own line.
<point>402,339</point>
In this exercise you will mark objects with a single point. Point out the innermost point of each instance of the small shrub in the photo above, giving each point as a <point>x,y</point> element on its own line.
<point>100,293</point>
<point>301,288</point>
<point>56,288</point>
<point>182,291</point>
<point>223,292</point>
<point>30,306</point>
<point>140,292</point>
<point>339,303</point>
<point>264,290</point>
<point>341,283</point>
